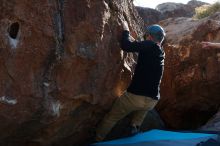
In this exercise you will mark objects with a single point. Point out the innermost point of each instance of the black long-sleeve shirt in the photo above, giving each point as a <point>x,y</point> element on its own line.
<point>149,69</point>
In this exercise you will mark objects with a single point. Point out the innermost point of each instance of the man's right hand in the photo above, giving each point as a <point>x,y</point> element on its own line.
<point>210,45</point>
<point>125,25</point>
<point>206,45</point>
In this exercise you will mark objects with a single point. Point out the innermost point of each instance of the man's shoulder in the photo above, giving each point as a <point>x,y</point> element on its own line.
<point>149,43</point>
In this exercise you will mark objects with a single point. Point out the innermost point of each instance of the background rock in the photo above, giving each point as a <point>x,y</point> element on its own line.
<point>168,10</point>
<point>213,124</point>
<point>169,6</point>
<point>61,67</point>
<point>150,16</point>
<point>191,81</point>
<point>179,10</point>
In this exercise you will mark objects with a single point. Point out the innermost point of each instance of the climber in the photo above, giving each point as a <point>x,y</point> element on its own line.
<point>143,93</point>
<point>209,45</point>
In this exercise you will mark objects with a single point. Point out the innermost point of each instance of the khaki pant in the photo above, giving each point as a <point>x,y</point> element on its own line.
<point>124,105</point>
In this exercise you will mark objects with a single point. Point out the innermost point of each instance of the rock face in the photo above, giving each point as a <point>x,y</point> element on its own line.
<point>168,10</point>
<point>61,67</point>
<point>169,7</point>
<point>179,10</point>
<point>191,82</point>
<point>213,124</point>
<point>150,16</point>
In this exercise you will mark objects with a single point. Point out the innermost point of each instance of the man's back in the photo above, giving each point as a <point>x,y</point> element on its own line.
<point>143,91</point>
<point>149,68</point>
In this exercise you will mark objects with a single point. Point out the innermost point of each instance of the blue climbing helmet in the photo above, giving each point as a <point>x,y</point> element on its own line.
<point>156,32</point>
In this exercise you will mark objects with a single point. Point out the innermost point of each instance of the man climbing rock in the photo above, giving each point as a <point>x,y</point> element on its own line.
<point>143,93</point>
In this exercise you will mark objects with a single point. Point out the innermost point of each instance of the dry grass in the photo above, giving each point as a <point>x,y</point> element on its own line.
<point>207,10</point>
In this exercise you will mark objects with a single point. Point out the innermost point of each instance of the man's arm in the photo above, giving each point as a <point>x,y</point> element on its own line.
<point>207,45</point>
<point>127,43</point>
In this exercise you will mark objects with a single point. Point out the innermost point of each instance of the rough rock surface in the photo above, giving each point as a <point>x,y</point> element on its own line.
<point>61,67</point>
<point>191,82</point>
<point>169,6</point>
<point>150,16</point>
<point>168,10</point>
<point>213,124</point>
<point>178,9</point>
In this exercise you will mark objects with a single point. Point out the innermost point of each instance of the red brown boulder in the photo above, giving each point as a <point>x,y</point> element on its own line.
<point>61,67</point>
<point>191,82</point>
